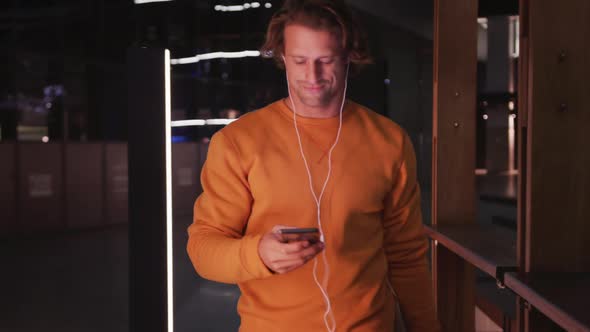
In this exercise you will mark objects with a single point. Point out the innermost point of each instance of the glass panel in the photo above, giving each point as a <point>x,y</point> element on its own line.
<point>64,242</point>
<point>496,167</point>
<point>496,119</point>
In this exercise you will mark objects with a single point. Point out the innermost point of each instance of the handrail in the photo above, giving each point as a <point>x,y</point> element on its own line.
<point>563,297</point>
<point>489,248</point>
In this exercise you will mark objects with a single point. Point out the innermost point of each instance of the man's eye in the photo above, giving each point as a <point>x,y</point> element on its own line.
<point>327,61</point>
<point>299,62</point>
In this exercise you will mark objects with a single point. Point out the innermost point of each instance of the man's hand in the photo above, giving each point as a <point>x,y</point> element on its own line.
<point>281,257</point>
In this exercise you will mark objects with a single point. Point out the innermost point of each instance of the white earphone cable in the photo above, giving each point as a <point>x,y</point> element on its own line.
<point>318,200</point>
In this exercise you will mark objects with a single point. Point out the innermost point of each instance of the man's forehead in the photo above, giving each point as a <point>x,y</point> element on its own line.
<point>299,29</point>
<point>313,53</point>
<point>300,40</point>
<point>313,56</point>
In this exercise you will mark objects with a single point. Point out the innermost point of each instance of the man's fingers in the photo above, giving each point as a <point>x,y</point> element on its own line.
<point>294,247</point>
<point>300,249</point>
<point>296,260</point>
<point>281,257</point>
<point>290,261</point>
<point>313,249</point>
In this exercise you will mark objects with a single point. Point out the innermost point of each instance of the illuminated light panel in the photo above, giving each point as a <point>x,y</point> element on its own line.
<point>215,55</point>
<point>483,21</point>
<point>237,8</point>
<point>511,141</point>
<point>201,122</point>
<point>219,121</point>
<point>141,2</point>
<point>168,140</point>
<point>514,37</point>
<point>188,123</point>
<point>481,171</point>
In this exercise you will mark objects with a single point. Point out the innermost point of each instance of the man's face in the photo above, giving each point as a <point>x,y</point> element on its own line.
<point>315,64</point>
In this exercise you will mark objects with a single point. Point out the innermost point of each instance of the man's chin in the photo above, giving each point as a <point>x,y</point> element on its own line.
<point>314,101</point>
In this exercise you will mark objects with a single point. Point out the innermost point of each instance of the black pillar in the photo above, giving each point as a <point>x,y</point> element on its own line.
<point>148,309</point>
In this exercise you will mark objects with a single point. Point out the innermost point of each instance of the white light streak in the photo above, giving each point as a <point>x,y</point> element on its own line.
<point>215,55</point>
<point>514,37</point>
<point>168,144</point>
<point>141,2</point>
<point>483,21</point>
<point>235,8</point>
<point>511,142</point>
<point>238,8</point>
<point>201,122</point>
<point>188,123</point>
<point>219,121</point>
<point>481,171</point>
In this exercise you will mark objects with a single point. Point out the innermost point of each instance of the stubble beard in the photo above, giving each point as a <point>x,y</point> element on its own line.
<point>320,100</point>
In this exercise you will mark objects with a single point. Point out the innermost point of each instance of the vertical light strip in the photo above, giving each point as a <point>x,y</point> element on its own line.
<point>511,142</point>
<point>514,37</point>
<point>168,144</point>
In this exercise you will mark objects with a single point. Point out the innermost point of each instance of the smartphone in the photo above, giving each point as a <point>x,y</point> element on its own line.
<point>311,234</point>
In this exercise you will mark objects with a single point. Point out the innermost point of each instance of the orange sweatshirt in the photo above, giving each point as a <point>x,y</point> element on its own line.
<point>254,178</point>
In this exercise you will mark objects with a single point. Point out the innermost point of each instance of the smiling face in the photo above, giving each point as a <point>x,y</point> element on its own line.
<point>316,66</point>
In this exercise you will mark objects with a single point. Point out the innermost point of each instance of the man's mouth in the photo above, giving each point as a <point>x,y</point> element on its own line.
<point>313,88</point>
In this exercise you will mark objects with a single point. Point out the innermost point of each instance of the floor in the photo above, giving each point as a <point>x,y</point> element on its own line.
<point>484,324</point>
<point>78,282</point>
<point>69,282</point>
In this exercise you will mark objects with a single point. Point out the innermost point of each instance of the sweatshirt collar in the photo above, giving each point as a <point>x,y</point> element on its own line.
<point>287,113</point>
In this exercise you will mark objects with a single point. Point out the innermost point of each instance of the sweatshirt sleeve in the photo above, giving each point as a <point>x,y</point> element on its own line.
<point>406,247</point>
<point>217,246</point>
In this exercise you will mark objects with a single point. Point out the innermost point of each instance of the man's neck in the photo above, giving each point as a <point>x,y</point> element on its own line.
<point>328,111</point>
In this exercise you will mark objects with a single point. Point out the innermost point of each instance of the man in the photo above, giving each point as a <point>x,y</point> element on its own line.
<point>315,159</point>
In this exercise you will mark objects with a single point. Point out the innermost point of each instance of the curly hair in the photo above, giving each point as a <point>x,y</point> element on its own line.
<point>332,15</point>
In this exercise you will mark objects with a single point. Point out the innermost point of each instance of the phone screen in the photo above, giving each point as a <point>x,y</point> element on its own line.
<point>300,234</point>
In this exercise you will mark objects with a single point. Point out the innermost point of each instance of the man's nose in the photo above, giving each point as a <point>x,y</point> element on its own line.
<point>314,72</point>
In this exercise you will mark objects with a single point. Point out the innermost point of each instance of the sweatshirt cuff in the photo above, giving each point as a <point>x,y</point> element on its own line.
<point>250,258</point>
